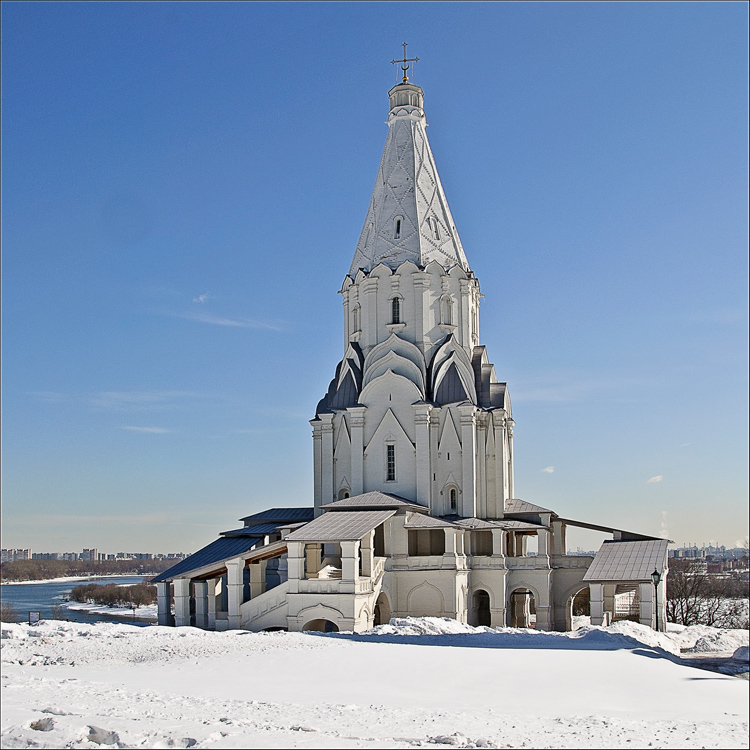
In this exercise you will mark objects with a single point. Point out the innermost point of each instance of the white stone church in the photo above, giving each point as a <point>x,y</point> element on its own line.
<point>414,511</point>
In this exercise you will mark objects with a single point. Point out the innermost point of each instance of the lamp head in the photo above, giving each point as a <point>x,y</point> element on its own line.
<point>656,577</point>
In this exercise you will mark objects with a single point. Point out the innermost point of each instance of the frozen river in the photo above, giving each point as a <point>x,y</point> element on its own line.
<point>42,597</point>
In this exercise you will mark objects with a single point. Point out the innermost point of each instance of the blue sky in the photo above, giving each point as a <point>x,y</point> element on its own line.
<point>183,188</point>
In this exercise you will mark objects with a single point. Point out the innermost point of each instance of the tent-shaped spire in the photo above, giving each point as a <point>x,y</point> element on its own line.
<point>408,217</point>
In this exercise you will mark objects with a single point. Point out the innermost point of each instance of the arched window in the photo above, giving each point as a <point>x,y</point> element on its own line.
<point>454,500</point>
<point>446,310</point>
<point>397,233</point>
<point>343,494</point>
<point>390,462</point>
<point>396,310</point>
<point>355,319</point>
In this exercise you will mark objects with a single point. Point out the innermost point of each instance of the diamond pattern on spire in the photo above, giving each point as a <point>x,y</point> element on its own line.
<point>408,217</point>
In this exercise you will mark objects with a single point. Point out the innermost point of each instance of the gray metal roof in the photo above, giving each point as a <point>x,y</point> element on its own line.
<point>221,549</point>
<point>515,505</point>
<point>478,523</point>
<point>344,526</point>
<point>628,561</point>
<point>280,515</point>
<point>511,525</point>
<point>379,500</point>
<point>420,521</point>
<point>260,529</point>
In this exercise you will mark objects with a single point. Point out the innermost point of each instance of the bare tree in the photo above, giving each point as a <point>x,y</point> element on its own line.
<point>696,598</point>
<point>8,612</point>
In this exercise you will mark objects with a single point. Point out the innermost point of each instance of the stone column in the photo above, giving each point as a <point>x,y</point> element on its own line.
<point>596,591</point>
<point>481,466</point>
<point>468,462</point>
<point>422,323</point>
<point>317,464</point>
<point>257,578</point>
<point>511,488</point>
<point>347,317</point>
<point>497,543</point>
<point>164,603</point>
<point>211,610</point>
<point>235,582</point>
<point>369,289</point>
<point>559,542</point>
<point>422,422</point>
<point>542,543</point>
<point>357,423</point>
<point>326,476</point>
<point>367,553</point>
<point>295,565</point>
<point>349,566</point>
<point>451,548</point>
<point>609,601</point>
<point>312,560</point>
<point>200,591</point>
<point>181,602</point>
<point>647,609</point>
<point>500,461</point>
<point>465,307</point>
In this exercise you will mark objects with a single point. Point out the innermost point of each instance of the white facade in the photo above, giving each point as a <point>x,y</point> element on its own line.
<point>414,510</point>
<point>414,380</point>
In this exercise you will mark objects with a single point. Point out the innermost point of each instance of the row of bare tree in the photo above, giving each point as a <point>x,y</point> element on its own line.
<point>695,597</point>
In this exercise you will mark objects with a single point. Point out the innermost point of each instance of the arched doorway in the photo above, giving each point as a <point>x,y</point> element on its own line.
<point>522,609</point>
<point>321,626</point>
<point>382,613</point>
<point>579,609</point>
<point>479,614</point>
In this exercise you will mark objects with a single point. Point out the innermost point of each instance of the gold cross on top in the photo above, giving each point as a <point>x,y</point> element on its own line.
<point>405,66</point>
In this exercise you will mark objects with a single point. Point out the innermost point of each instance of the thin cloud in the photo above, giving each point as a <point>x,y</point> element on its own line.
<point>217,320</point>
<point>683,445</point>
<point>202,298</point>
<point>149,430</point>
<point>655,479</point>
<point>664,532</point>
<point>137,400</point>
<point>548,470</point>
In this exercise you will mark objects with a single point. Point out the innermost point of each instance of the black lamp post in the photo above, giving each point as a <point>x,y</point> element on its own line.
<point>656,577</point>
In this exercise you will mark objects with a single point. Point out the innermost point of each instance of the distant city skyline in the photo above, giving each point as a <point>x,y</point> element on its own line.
<point>184,186</point>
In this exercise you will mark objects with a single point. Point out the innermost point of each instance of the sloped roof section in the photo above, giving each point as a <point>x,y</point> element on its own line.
<point>346,526</point>
<point>515,505</point>
<point>628,561</point>
<point>280,515</point>
<point>375,501</point>
<point>221,549</point>
<point>260,530</point>
<point>408,217</point>
<point>428,522</point>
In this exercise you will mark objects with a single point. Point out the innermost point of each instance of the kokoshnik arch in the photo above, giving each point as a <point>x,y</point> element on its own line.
<point>413,511</point>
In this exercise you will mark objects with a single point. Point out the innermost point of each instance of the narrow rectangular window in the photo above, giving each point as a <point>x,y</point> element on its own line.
<point>390,468</point>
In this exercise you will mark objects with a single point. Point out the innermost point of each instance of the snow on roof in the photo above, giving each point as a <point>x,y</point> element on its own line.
<point>340,527</point>
<point>628,561</point>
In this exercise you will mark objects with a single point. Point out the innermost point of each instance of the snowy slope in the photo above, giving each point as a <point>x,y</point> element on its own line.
<point>417,682</point>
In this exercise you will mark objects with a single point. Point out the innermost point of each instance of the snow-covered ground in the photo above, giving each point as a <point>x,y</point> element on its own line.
<point>414,683</point>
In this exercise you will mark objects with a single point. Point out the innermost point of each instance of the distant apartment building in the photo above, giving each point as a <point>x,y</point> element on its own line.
<point>11,555</point>
<point>90,554</point>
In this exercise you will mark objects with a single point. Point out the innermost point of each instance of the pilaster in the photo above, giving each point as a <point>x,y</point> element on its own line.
<point>200,592</point>
<point>357,424</point>
<point>468,459</point>
<point>235,572</point>
<point>422,423</point>
<point>326,457</point>
<point>181,602</point>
